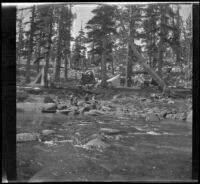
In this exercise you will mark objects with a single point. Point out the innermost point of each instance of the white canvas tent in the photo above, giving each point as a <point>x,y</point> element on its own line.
<point>115,81</point>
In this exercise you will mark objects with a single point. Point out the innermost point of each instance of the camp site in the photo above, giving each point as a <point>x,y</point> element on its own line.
<point>104,92</point>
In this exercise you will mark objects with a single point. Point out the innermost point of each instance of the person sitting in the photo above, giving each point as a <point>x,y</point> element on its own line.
<point>71,99</point>
<point>75,101</point>
<point>94,99</point>
<point>87,98</point>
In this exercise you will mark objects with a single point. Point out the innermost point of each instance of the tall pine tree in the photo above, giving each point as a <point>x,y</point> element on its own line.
<point>100,27</point>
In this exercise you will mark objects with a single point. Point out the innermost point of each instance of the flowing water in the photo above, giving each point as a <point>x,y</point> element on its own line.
<point>102,148</point>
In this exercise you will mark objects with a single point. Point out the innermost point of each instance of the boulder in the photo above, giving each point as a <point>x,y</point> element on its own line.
<point>25,137</point>
<point>174,111</point>
<point>47,132</point>
<point>105,108</point>
<point>49,106</point>
<point>94,112</point>
<point>170,116</point>
<point>156,109</point>
<point>170,102</point>
<point>152,117</point>
<point>117,96</point>
<point>73,111</point>
<point>189,117</point>
<point>96,143</point>
<point>162,114</point>
<point>110,131</point>
<point>180,116</point>
<point>81,103</point>
<point>61,106</point>
<point>85,109</point>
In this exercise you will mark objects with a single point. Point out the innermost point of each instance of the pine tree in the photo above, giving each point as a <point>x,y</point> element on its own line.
<point>59,44</point>
<point>149,34</point>
<point>67,20</point>
<point>82,40</point>
<point>19,42</point>
<point>161,33</point>
<point>131,17</point>
<point>135,18</point>
<point>140,59</point>
<point>64,19</point>
<point>100,27</point>
<point>45,15</point>
<point>186,43</point>
<point>177,35</point>
<point>77,54</point>
<point>30,48</point>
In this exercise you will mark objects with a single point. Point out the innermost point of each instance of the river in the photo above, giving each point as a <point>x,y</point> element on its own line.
<point>103,148</point>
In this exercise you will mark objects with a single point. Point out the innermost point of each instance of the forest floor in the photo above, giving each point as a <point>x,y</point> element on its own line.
<point>135,135</point>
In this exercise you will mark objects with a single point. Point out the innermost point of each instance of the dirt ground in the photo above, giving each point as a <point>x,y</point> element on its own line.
<point>120,144</point>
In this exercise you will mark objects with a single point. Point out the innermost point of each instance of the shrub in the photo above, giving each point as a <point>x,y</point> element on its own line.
<point>48,99</point>
<point>21,96</point>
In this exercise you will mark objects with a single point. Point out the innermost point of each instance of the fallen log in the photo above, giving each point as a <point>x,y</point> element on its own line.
<point>166,90</point>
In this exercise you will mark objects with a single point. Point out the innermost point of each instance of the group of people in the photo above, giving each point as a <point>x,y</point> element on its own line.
<point>88,99</point>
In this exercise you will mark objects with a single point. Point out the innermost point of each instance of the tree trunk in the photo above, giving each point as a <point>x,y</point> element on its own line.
<point>30,47</point>
<point>38,63</point>
<point>141,61</point>
<point>68,56</point>
<point>20,41</point>
<point>161,42</point>
<point>178,48</point>
<point>92,62</point>
<point>155,76</point>
<point>129,65</point>
<point>66,65</point>
<point>103,64</point>
<point>48,52</point>
<point>58,55</point>
<point>129,68</point>
<point>113,70</point>
<point>38,55</point>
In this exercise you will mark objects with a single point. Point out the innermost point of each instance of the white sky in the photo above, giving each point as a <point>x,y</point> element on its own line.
<point>83,12</point>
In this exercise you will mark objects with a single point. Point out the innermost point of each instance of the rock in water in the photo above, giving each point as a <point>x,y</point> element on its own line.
<point>105,108</point>
<point>94,112</point>
<point>152,117</point>
<point>62,106</point>
<point>47,132</point>
<point>189,117</point>
<point>170,116</point>
<point>49,106</point>
<point>86,109</point>
<point>163,114</point>
<point>24,137</point>
<point>110,131</point>
<point>98,143</point>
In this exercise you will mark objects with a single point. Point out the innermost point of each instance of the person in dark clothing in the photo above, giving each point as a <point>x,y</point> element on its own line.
<point>87,98</point>
<point>71,97</point>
